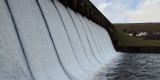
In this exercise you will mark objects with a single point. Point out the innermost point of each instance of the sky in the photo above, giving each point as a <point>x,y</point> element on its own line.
<point>129,11</point>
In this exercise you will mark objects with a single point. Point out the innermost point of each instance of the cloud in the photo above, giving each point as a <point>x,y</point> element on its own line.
<point>148,11</point>
<point>97,2</point>
<point>102,6</point>
<point>131,11</point>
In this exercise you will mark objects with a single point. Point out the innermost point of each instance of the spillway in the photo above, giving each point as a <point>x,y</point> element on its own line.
<point>45,40</point>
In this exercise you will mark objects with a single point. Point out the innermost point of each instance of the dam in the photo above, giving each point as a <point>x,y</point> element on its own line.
<point>53,40</point>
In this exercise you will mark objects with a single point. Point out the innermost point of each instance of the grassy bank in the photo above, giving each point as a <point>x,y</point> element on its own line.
<point>126,40</point>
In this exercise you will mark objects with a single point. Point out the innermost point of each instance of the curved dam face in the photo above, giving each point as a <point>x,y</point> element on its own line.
<point>43,40</point>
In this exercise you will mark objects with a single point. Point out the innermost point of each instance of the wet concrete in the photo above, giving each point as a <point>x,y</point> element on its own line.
<point>134,67</point>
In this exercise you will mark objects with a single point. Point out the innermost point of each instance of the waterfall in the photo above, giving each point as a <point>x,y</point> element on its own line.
<point>43,40</point>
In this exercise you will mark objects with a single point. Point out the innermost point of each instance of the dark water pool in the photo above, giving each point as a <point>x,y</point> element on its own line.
<point>134,67</point>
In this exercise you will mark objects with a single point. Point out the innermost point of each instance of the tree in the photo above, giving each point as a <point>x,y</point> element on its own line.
<point>124,30</point>
<point>134,33</point>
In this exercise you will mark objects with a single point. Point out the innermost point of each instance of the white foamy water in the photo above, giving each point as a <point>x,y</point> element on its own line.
<point>43,40</point>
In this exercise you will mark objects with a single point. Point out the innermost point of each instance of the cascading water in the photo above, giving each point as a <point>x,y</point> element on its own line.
<point>43,40</point>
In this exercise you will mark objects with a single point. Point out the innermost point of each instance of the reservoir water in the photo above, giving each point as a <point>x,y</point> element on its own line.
<point>134,67</point>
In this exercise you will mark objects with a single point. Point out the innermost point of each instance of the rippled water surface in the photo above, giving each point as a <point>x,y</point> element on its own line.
<point>134,67</point>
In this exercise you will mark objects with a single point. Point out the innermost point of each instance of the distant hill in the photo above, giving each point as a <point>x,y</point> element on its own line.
<point>148,27</point>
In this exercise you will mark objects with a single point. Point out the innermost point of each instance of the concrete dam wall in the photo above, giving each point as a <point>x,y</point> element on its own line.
<point>44,40</point>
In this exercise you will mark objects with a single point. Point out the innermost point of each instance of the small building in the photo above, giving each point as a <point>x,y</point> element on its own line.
<point>156,33</point>
<point>129,33</point>
<point>141,34</point>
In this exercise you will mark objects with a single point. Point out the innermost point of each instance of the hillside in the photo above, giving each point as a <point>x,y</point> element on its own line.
<point>148,27</point>
<point>126,40</point>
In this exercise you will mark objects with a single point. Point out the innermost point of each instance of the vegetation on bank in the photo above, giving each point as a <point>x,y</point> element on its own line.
<point>126,40</point>
<point>155,41</point>
<point>138,27</point>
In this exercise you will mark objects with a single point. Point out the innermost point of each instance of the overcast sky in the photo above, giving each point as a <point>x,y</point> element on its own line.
<point>129,11</point>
